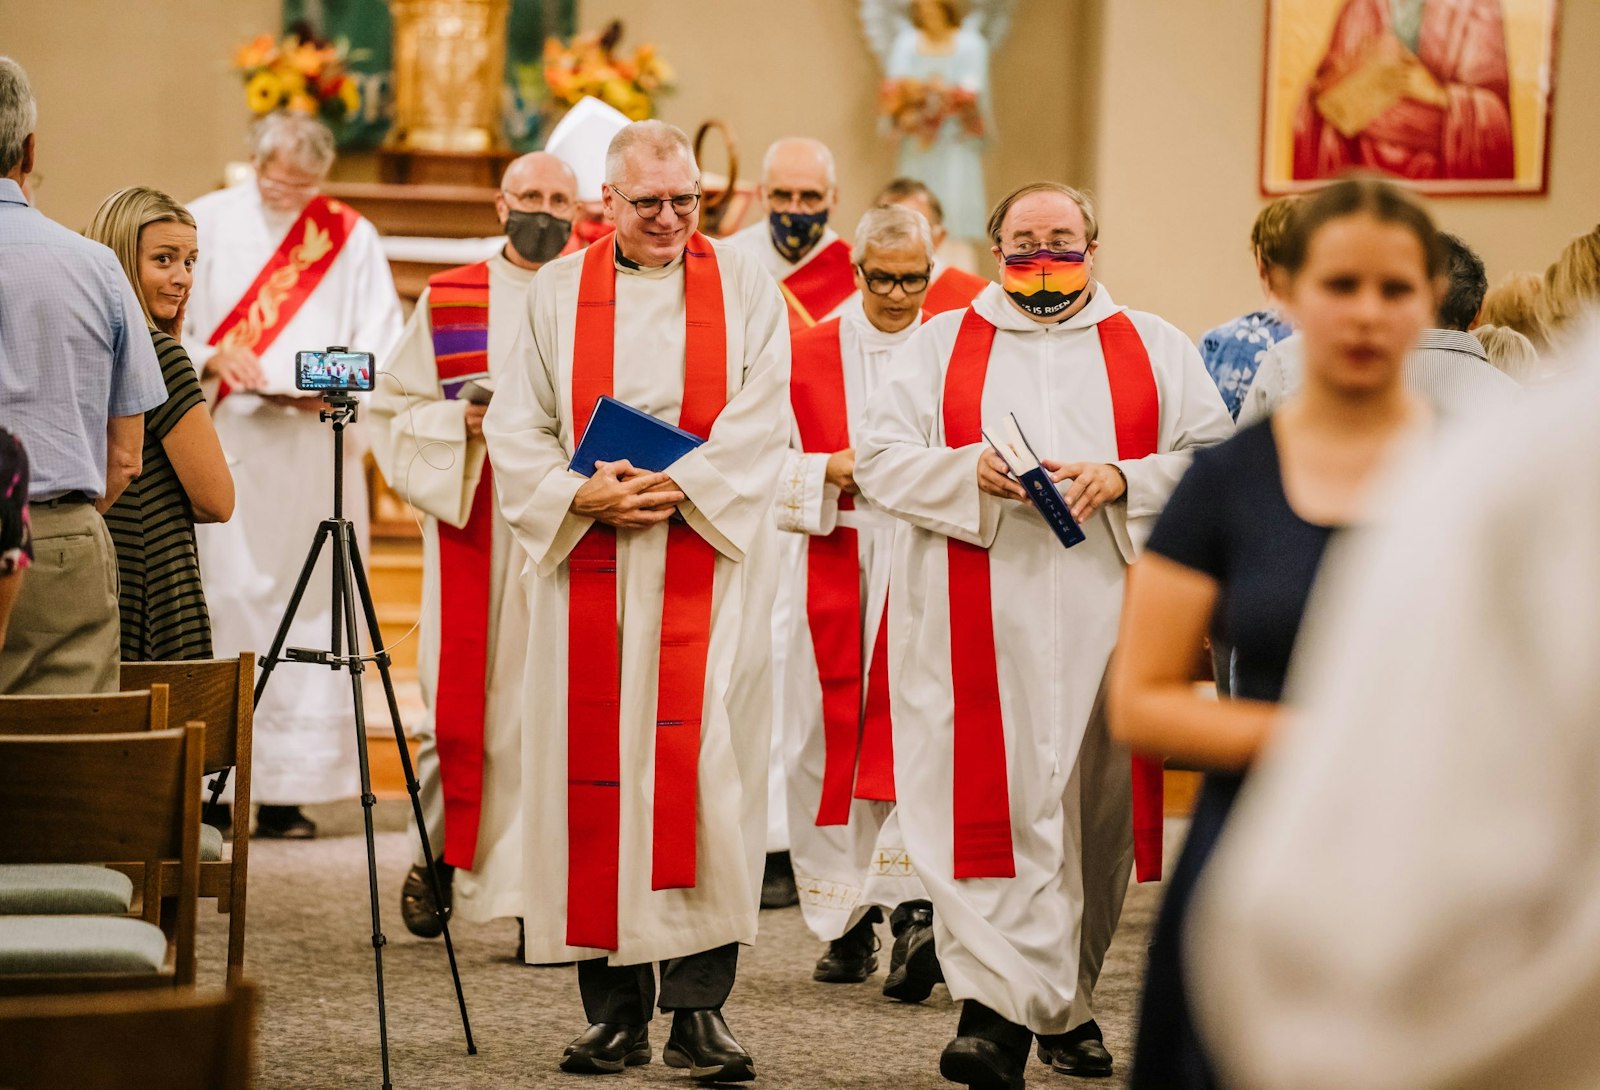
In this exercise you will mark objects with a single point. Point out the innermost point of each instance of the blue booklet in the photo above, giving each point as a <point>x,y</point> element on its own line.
<point>617,430</point>
<point>1025,467</point>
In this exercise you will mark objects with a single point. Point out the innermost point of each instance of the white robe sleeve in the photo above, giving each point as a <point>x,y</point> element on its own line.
<point>523,430</point>
<point>419,438</point>
<point>901,463</point>
<point>377,320</point>
<point>1408,893</point>
<point>1267,389</point>
<point>806,503</point>
<point>729,478</point>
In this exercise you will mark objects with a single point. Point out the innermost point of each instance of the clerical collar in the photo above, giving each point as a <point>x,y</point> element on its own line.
<point>624,261</point>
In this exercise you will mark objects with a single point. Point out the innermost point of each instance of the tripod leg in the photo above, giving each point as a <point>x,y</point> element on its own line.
<point>381,655</point>
<point>343,559</point>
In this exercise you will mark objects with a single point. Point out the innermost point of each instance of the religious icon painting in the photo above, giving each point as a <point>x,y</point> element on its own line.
<point>1452,96</point>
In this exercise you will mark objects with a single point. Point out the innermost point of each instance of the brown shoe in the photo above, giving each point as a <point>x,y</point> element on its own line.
<point>417,906</point>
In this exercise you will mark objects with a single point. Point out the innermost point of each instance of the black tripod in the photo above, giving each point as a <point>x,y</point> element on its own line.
<point>350,580</point>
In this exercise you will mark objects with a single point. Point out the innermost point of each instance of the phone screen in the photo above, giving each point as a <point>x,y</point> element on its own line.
<point>333,371</point>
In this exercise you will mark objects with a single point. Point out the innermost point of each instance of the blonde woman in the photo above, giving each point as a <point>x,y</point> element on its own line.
<point>1516,303</point>
<point>186,478</point>
<point>1509,351</point>
<point>1572,284</point>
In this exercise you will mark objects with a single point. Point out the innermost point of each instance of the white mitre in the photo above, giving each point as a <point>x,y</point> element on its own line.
<point>580,140</point>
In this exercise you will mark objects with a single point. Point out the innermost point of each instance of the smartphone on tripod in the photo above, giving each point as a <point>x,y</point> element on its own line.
<point>336,370</point>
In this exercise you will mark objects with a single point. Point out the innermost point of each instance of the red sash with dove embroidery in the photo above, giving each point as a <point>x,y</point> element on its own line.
<point>982,806</point>
<point>857,741</point>
<point>954,289</point>
<point>815,288</point>
<point>458,312</point>
<point>312,244</point>
<point>594,659</point>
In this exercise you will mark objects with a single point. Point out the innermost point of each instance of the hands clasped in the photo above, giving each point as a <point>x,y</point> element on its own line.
<point>1094,484</point>
<point>841,471</point>
<point>627,498</point>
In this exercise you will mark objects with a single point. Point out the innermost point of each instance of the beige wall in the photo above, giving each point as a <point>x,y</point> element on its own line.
<point>1178,114</point>
<point>132,93</point>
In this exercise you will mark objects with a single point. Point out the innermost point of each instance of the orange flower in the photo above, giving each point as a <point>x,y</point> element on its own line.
<point>256,53</point>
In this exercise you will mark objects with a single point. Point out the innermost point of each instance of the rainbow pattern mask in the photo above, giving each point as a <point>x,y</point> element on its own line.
<point>1044,283</point>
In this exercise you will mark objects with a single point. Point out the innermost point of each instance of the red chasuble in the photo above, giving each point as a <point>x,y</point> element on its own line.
<point>287,280</point>
<point>815,288</point>
<point>857,741</point>
<point>982,801</point>
<point>458,311</point>
<point>955,289</point>
<point>594,661</point>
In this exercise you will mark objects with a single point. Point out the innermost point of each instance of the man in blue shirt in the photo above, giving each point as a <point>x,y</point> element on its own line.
<point>77,372</point>
<point>1234,350</point>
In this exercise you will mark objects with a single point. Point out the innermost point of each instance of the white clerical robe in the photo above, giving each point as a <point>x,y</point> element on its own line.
<point>838,869</point>
<point>1408,891</point>
<point>419,438</point>
<point>755,241</point>
<point>729,483</point>
<point>1013,943</point>
<point>282,461</point>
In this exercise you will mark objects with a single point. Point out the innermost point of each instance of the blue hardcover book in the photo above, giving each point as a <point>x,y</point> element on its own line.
<point>1025,467</point>
<point>617,430</point>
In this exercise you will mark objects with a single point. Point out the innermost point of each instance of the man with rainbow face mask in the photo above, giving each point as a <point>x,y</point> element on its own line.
<point>1022,817</point>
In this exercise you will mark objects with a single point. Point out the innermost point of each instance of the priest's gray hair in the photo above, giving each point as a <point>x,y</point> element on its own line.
<point>19,113</point>
<point>657,138</point>
<point>1091,225</point>
<point>303,141</point>
<point>816,147</point>
<point>888,226</point>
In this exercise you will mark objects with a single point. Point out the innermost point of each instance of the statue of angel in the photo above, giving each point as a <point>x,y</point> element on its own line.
<point>935,95</point>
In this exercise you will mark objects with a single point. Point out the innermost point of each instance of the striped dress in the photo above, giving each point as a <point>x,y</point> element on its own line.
<point>163,606</point>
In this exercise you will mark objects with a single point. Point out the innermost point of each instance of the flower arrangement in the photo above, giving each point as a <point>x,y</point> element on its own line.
<point>590,67</point>
<point>919,108</point>
<point>300,73</point>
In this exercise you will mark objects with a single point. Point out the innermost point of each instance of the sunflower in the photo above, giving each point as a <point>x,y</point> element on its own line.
<point>350,96</point>
<point>263,92</point>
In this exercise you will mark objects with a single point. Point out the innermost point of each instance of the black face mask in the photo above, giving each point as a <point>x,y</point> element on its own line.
<point>537,236</point>
<point>794,233</point>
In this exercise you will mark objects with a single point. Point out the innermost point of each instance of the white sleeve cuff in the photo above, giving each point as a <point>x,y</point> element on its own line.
<point>806,503</point>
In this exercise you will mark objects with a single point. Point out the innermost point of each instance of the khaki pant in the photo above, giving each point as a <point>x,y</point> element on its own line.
<point>65,635</point>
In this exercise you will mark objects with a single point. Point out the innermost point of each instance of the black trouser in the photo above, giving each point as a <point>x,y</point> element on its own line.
<point>625,994</point>
<point>979,1021</point>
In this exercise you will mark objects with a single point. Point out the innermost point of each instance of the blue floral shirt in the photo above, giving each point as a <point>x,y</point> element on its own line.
<point>1233,351</point>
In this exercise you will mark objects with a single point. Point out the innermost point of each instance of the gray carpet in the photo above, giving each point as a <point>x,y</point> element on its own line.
<point>308,947</point>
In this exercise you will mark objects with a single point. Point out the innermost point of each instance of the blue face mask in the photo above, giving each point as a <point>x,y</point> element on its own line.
<point>794,233</point>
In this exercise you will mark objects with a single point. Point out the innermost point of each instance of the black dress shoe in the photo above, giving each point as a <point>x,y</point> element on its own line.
<point>1080,1052</point>
<point>606,1048</point>
<point>417,908</point>
<point>702,1042</point>
<point>219,817</point>
<point>852,957</point>
<point>914,962</point>
<point>284,823</point>
<point>980,1064</point>
<point>777,884</point>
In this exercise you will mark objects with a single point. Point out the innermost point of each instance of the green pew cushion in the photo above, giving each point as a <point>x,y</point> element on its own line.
<point>50,889</point>
<point>80,944</point>
<point>210,844</point>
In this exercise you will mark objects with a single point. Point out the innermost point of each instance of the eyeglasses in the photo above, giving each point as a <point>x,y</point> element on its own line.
<point>806,200</point>
<point>648,208</point>
<point>1059,246</point>
<point>535,200</point>
<point>286,187</point>
<point>881,283</point>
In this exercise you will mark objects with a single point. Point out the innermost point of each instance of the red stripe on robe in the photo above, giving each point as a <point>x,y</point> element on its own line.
<point>594,661</point>
<point>955,289</point>
<point>309,248</point>
<point>458,313</point>
<point>817,287</point>
<point>982,808</point>
<point>853,763</point>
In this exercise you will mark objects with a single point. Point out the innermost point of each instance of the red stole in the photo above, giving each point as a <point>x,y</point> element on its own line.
<point>857,741</point>
<point>458,311</point>
<point>288,278</point>
<point>815,288</point>
<point>982,802</point>
<point>955,289</point>
<point>594,661</point>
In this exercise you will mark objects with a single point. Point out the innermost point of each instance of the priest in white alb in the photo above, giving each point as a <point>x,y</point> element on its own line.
<point>283,269</point>
<point>427,437</point>
<point>1014,804</point>
<point>953,288</point>
<point>645,746</point>
<point>811,265</point>
<point>849,862</point>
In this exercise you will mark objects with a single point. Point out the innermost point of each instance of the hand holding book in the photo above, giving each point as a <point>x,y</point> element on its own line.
<point>1035,480</point>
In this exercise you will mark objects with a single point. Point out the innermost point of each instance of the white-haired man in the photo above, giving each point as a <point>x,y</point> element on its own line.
<point>952,288</point>
<point>849,861</point>
<point>1013,802</point>
<point>282,269</point>
<point>433,395</point>
<point>645,743</point>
